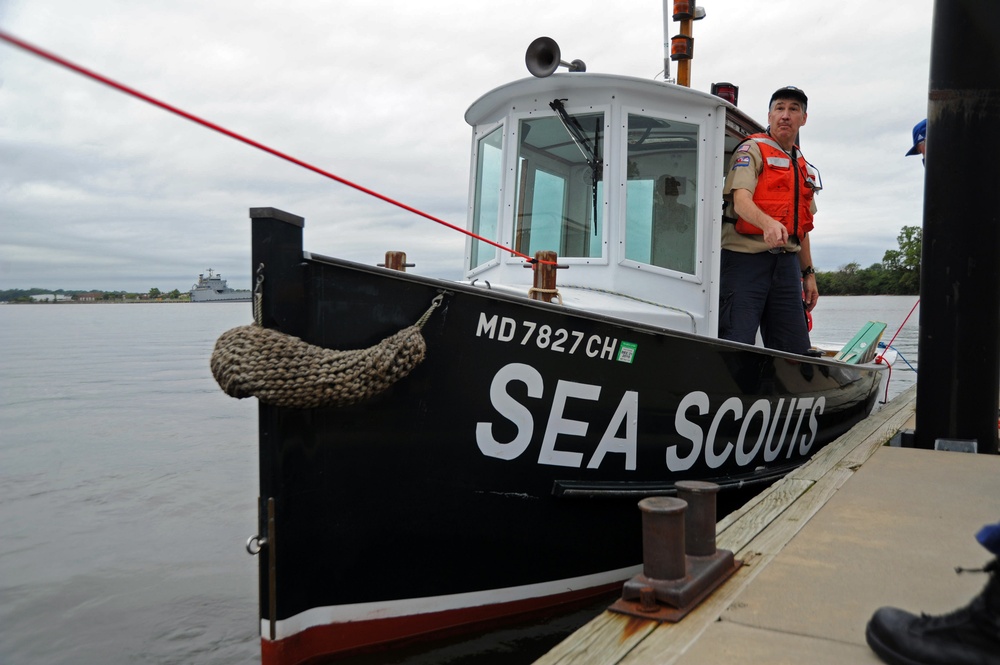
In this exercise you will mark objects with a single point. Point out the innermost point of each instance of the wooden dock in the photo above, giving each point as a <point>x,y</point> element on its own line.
<point>860,526</point>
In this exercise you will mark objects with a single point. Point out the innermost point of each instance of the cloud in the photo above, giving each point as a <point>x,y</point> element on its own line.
<point>98,190</point>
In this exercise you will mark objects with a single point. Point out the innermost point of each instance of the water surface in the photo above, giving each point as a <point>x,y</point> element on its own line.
<point>130,488</point>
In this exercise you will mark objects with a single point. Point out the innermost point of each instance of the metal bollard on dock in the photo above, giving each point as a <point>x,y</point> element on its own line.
<point>681,565</point>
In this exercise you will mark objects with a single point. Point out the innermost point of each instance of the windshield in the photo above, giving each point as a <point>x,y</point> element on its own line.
<point>560,189</point>
<point>662,193</point>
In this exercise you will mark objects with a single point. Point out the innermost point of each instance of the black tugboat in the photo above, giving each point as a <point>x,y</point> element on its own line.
<point>436,456</point>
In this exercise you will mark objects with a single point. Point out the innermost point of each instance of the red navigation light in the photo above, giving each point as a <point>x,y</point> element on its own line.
<point>727,91</point>
<point>681,47</point>
<point>682,10</point>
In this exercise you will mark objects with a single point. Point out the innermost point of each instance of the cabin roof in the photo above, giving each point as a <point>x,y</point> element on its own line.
<point>489,105</point>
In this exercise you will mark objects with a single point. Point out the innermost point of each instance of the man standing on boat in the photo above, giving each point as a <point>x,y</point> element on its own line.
<point>767,274</point>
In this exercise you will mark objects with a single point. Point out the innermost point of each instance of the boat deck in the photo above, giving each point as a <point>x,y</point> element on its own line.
<point>860,526</point>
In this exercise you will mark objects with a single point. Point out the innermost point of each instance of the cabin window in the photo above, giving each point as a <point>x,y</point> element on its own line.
<point>661,218</point>
<point>560,189</point>
<point>486,209</point>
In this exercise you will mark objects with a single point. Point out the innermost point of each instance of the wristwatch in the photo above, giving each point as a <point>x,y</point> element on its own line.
<point>808,271</point>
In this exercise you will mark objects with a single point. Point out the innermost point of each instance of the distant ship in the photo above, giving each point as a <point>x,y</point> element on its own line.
<point>214,289</point>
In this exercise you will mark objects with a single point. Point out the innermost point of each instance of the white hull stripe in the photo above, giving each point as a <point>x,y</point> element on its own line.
<point>336,614</point>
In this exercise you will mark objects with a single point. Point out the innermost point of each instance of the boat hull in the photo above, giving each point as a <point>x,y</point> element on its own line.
<point>502,475</point>
<point>213,296</point>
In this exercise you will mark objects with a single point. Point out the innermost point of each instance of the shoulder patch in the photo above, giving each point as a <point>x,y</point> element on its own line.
<point>745,147</point>
<point>742,161</point>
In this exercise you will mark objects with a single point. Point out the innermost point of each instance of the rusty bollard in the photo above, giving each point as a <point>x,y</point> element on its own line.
<point>544,276</point>
<point>681,564</point>
<point>396,261</point>
<point>663,538</point>
<point>699,522</point>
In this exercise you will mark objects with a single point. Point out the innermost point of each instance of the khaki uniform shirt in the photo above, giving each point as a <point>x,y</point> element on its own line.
<point>743,175</point>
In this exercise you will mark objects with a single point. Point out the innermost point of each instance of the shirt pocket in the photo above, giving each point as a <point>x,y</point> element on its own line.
<point>780,179</point>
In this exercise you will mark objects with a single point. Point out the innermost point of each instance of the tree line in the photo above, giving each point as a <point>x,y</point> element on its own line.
<point>24,295</point>
<point>897,274</point>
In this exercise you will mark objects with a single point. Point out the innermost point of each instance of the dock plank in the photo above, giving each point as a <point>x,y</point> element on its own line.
<point>757,532</point>
<point>608,639</point>
<point>764,509</point>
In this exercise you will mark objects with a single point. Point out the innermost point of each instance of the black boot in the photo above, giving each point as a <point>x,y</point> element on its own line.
<point>968,636</point>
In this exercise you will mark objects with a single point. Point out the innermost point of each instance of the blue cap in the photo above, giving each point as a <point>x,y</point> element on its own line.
<point>919,136</point>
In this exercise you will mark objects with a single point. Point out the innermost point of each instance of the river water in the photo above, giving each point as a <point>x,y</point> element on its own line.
<point>130,488</point>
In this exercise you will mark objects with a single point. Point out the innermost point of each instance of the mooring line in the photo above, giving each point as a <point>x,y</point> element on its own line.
<point>898,330</point>
<point>881,357</point>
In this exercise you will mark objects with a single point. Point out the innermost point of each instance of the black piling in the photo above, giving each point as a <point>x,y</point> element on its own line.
<point>958,389</point>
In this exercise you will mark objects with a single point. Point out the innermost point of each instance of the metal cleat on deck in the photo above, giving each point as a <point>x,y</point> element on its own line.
<point>681,565</point>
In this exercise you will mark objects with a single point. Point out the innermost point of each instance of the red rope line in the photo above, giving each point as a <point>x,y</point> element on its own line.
<point>898,330</point>
<point>20,43</point>
<point>888,379</point>
<point>881,357</point>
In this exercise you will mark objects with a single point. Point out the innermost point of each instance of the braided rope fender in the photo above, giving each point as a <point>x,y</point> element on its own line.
<point>283,370</point>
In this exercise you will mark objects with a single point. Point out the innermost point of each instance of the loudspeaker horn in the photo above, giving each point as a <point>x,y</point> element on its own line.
<point>542,58</point>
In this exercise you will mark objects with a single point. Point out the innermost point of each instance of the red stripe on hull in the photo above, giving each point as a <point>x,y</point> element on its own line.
<point>321,642</point>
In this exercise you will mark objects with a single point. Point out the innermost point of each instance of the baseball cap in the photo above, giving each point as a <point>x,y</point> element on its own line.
<point>919,135</point>
<point>789,92</point>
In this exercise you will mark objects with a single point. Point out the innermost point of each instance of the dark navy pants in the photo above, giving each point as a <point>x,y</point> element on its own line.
<point>763,291</point>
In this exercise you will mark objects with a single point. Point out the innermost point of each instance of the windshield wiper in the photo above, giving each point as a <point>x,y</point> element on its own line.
<point>589,150</point>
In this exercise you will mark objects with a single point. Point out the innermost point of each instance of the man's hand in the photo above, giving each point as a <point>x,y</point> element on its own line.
<point>810,294</point>
<point>775,233</point>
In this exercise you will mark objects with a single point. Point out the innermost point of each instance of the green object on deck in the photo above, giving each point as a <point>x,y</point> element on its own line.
<point>862,348</point>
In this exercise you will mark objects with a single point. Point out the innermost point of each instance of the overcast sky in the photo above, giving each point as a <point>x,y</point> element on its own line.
<point>102,191</point>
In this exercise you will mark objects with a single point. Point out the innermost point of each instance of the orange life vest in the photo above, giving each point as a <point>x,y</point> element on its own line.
<point>785,192</point>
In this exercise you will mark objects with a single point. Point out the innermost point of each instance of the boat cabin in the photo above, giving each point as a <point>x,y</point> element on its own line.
<point>622,177</point>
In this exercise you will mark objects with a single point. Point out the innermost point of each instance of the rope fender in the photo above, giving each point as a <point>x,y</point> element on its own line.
<point>283,370</point>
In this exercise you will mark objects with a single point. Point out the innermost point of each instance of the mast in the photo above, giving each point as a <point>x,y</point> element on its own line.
<point>667,15</point>
<point>681,46</point>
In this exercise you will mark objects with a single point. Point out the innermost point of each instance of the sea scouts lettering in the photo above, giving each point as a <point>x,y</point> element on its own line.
<point>627,413</point>
<point>706,446</point>
<point>797,418</point>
